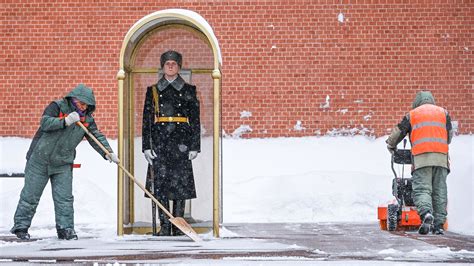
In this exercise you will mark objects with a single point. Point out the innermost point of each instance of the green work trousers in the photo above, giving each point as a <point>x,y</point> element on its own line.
<point>430,192</point>
<point>36,177</point>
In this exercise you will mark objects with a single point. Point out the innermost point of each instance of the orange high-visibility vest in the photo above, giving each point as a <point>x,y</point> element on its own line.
<point>428,129</point>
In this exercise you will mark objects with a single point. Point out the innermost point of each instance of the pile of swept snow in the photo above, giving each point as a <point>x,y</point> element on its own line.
<point>310,179</point>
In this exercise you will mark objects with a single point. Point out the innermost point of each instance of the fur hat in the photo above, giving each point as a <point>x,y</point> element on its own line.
<point>171,55</point>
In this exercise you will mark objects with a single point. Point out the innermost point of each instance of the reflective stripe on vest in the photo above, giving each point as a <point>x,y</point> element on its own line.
<point>428,134</point>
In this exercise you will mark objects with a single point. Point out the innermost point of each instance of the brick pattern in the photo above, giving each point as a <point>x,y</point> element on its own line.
<point>283,61</point>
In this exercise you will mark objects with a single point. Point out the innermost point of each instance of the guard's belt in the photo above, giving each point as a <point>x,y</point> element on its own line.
<point>171,119</point>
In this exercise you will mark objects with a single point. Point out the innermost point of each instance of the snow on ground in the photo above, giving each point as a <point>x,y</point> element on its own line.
<point>305,179</point>
<point>327,179</point>
<point>310,179</point>
<point>280,180</point>
<point>90,244</point>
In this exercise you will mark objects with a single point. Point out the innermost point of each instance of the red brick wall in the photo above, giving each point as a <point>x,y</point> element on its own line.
<point>281,59</point>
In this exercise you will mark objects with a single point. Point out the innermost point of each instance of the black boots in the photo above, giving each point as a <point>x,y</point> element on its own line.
<point>165,224</point>
<point>438,229</point>
<point>22,234</point>
<point>427,224</point>
<point>167,229</point>
<point>66,234</point>
<point>178,211</point>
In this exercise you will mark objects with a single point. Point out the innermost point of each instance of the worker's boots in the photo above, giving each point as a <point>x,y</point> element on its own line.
<point>67,234</point>
<point>427,224</point>
<point>438,229</point>
<point>22,234</point>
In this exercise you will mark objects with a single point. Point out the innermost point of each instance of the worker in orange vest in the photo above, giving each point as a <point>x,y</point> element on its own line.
<point>430,131</point>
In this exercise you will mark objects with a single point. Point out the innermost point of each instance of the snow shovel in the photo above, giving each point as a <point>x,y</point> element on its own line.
<point>179,222</point>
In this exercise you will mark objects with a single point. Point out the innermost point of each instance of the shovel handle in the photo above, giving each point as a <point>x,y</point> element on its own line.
<point>93,138</point>
<point>127,172</point>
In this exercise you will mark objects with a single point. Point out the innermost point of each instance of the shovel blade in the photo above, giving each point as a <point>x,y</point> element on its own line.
<point>182,225</point>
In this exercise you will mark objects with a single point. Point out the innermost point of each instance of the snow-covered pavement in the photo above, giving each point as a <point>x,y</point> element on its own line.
<point>245,243</point>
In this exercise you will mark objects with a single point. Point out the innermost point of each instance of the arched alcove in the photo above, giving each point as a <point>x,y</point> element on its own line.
<point>188,33</point>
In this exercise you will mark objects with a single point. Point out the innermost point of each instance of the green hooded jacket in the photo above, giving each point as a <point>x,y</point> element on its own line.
<point>423,97</point>
<point>55,143</point>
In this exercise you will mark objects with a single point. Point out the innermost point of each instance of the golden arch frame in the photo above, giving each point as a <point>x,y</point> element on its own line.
<point>132,39</point>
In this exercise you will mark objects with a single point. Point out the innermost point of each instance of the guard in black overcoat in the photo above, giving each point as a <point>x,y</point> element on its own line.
<point>171,138</point>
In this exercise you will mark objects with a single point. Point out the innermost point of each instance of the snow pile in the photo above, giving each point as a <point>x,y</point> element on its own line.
<point>326,104</point>
<point>245,114</point>
<point>242,129</point>
<point>310,179</point>
<point>430,255</point>
<point>350,131</point>
<point>328,179</point>
<point>299,126</point>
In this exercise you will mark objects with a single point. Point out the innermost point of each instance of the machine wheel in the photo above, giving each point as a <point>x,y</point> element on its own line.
<point>392,217</point>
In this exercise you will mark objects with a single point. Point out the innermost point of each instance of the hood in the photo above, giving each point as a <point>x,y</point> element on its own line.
<point>423,97</point>
<point>83,94</point>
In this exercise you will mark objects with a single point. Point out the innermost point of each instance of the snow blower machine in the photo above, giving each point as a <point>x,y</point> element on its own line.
<point>401,213</point>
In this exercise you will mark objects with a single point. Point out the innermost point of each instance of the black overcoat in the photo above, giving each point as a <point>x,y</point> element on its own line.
<point>172,141</point>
